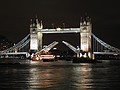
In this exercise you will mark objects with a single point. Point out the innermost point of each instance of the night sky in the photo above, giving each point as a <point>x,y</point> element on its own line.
<point>15,17</point>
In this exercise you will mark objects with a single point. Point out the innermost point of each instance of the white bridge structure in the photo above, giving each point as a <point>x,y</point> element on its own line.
<point>89,43</point>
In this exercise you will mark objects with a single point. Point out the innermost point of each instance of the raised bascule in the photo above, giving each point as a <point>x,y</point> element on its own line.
<point>89,45</point>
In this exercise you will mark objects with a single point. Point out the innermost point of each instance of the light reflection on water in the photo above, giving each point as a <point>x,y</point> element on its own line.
<point>82,76</point>
<point>61,75</point>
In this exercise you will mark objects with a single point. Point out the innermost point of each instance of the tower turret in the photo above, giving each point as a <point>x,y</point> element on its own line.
<point>41,25</point>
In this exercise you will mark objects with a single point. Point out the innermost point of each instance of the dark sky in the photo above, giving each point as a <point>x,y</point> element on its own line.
<point>15,16</point>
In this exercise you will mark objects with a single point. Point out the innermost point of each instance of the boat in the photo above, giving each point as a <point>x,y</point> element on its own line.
<point>43,57</point>
<point>48,58</point>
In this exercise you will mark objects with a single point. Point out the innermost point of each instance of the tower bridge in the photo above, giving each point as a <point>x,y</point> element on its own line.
<point>89,43</point>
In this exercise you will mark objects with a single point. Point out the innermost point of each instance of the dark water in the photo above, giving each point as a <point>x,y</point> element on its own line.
<point>61,75</point>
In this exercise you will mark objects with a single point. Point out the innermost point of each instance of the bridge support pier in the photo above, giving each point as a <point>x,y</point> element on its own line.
<point>78,54</point>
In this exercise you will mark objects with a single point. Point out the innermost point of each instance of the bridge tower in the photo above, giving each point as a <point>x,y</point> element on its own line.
<point>85,36</point>
<point>35,36</point>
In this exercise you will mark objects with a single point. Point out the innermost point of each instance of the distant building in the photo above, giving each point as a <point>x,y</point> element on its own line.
<point>4,43</point>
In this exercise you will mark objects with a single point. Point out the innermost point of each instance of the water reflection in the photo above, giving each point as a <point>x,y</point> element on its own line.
<point>68,76</point>
<point>82,76</point>
<point>45,76</point>
<point>61,75</point>
<point>40,78</point>
<point>13,77</point>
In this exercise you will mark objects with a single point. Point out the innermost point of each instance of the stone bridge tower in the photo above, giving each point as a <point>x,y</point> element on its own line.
<point>85,36</point>
<point>35,36</point>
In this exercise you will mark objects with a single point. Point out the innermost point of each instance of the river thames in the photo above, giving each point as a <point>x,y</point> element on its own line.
<point>61,75</point>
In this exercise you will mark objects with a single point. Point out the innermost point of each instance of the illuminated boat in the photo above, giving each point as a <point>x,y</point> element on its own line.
<point>44,57</point>
<point>48,58</point>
